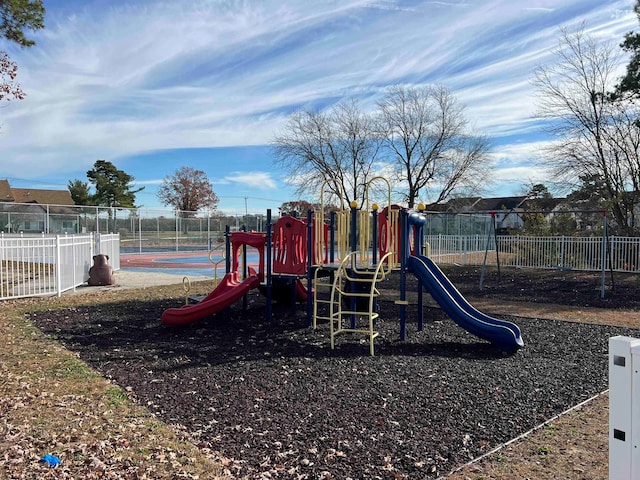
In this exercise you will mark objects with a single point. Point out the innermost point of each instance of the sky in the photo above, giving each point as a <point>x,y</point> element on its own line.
<point>152,86</point>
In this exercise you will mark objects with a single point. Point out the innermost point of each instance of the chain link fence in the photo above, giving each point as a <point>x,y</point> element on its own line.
<point>460,237</point>
<point>140,229</point>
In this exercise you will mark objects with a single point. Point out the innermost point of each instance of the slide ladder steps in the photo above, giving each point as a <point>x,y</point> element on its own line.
<point>322,285</point>
<point>342,293</point>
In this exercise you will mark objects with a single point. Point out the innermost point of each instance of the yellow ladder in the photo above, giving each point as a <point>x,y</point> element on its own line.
<point>338,314</point>
<point>322,285</point>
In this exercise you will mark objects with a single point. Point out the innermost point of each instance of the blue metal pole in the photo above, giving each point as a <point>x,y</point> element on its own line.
<point>374,212</point>
<point>354,225</point>
<point>404,246</point>
<point>418,242</point>
<point>332,237</point>
<point>269,280</point>
<point>310,246</point>
<point>227,246</point>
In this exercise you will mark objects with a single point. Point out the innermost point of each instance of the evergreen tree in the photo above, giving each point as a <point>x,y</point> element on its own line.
<point>113,186</point>
<point>630,83</point>
<point>79,191</point>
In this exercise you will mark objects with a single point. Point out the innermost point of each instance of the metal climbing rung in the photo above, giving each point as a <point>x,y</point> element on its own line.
<point>348,271</point>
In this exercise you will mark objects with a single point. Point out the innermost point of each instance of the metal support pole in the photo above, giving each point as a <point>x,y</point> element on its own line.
<point>177,231</point>
<point>269,292</point>
<point>354,226</point>
<point>310,262</point>
<point>332,237</point>
<point>404,243</point>
<point>604,254</point>
<point>245,272</point>
<point>227,246</point>
<point>374,235</point>
<point>140,231</point>
<point>418,244</point>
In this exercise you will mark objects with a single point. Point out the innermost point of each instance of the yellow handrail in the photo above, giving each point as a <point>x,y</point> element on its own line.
<point>342,224</point>
<point>186,286</point>
<point>337,309</point>
<point>223,257</point>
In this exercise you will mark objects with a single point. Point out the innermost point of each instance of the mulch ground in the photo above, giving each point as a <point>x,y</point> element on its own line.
<point>279,403</point>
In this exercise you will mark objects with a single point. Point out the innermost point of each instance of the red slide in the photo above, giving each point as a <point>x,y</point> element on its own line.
<point>229,290</point>
<point>301,290</point>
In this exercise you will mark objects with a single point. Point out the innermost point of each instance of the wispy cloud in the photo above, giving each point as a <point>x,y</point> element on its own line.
<point>148,182</point>
<point>260,180</point>
<point>539,9</point>
<point>115,80</point>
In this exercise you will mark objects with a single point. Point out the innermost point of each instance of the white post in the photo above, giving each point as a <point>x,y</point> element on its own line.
<point>624,413</point>
<point>58,267</point>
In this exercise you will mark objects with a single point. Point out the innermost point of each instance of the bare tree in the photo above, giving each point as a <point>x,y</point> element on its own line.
<point>623,150</point>
<point>187,190</point>
<point>595,134</point>
<point>341,144</point>
<point>427,139</point>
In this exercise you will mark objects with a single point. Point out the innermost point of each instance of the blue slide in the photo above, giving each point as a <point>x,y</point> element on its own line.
<point>504,335</point>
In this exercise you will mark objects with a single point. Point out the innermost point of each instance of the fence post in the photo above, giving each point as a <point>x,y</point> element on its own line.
<point>624,413</point>
<point>140,231</point>
<point>74,263</point>
<point>604,254</point>
<point>465,248</point>
<point>177,228</point>
<point>58,267</point>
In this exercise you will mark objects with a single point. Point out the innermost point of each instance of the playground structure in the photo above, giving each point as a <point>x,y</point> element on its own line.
<point>337,264</point>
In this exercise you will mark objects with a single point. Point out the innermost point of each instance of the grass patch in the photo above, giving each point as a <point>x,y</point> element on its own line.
<point>52,402</point>
<point>544,450</point>
<point>115,396</point>
<point>74,370</point>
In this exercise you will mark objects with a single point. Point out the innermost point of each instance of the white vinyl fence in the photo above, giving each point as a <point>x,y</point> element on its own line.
<point>40,265</point>
<point>109,244</point>
<point>620,254</point>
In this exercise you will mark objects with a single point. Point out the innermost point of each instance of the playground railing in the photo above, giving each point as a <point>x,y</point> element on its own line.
<point>620,254</point>
<point>41,265</point>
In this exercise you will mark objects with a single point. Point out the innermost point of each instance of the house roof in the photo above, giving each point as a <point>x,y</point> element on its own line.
<point>52,197</point>
<point>497,204</point>
<point>477,204</point>
<point>5,191</point>
<point>34,195</point>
